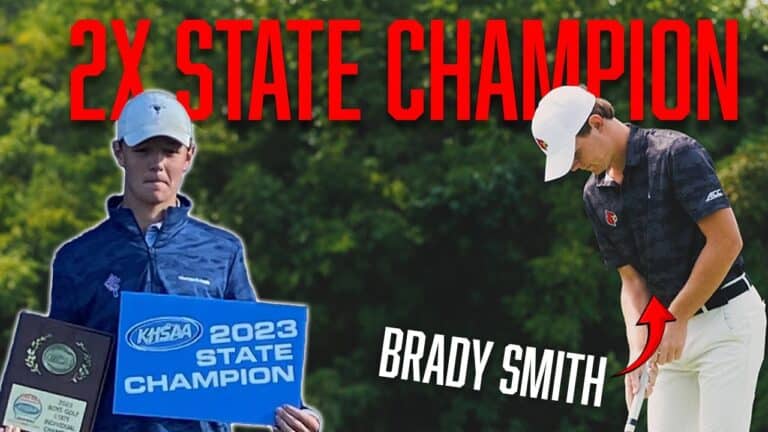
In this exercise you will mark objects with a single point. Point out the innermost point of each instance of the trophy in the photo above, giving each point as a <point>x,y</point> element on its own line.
<point>54,375</point>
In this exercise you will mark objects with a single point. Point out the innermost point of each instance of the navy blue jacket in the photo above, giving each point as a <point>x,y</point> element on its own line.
<point>188,257</point>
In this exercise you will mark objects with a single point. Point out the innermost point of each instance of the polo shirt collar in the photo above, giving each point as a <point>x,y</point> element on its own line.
<point>636,146</point>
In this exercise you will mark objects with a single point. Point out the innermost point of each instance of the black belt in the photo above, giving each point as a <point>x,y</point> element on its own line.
<point>726,292</point>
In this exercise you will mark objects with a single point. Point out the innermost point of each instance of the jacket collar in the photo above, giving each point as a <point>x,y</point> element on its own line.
<point>175,218</point>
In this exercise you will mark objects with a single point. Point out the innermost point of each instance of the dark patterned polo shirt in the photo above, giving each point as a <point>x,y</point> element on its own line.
<point>649,221</point>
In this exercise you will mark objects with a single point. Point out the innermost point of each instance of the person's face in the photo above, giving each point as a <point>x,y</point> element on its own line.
<point>154,169</point>
<point>593,151</point>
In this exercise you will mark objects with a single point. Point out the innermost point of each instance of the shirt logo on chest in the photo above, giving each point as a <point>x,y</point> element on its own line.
<point>113,284</point>
<point>611,218</point>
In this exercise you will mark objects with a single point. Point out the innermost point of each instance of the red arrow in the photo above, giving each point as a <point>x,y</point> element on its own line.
<point>656,317</point>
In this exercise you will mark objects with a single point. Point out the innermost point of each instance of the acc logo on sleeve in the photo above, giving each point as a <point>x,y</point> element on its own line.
<point>164,334</point>
<point>715,194</point>
<point>611,218</point>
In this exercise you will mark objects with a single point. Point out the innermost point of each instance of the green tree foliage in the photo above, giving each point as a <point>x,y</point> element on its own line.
<point>443,226</point>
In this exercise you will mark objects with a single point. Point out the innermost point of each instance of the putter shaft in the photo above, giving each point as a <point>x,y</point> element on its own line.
<point>637,402</point>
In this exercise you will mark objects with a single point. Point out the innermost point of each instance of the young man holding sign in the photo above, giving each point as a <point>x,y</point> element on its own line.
<point>149,243</point>
<point>663,221</point>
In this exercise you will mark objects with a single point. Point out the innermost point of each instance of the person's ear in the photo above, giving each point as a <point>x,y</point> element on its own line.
<point>596,122</point>
<point>118,150</point>
<point>190,154</point>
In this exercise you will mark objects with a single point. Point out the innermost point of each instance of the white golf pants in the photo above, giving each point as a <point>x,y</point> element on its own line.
<point>711,387</point>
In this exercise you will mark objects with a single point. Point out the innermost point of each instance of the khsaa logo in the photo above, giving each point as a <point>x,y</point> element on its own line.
<point>27,407</point>
<point>164,334</point>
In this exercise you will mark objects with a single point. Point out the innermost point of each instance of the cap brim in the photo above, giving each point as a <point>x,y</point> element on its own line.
<point>141,135</point>
<point>559,163</point>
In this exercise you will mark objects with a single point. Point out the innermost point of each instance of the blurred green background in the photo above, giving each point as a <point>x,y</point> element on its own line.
<point>445,227</point>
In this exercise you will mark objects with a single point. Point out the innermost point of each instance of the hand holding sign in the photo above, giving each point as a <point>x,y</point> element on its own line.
<point>290,419</point>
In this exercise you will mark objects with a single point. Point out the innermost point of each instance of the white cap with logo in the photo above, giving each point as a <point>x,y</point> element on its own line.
<point>154,113</point>
<point>558,118</point>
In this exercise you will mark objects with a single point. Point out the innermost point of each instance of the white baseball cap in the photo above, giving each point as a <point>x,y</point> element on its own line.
<point>560,115</point>
<point>154,113</point>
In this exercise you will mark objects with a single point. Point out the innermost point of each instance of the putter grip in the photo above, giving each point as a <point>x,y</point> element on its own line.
<point>637,402</point>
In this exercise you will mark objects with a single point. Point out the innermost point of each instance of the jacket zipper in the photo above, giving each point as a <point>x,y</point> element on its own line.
<point>148,285</point>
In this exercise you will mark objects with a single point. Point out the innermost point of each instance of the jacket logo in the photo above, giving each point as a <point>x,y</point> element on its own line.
<point>164,333</point>
<point>611,218</point>
<point>715,194</point>
<point>113,284</point>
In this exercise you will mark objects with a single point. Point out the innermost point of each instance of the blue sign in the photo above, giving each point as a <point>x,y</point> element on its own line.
<point>207,359</point>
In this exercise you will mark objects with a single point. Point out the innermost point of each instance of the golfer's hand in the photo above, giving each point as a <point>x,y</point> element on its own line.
<point>10,429</point>
<point>671,347</point>
<point>288,418</point>
<point>632,381</point>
